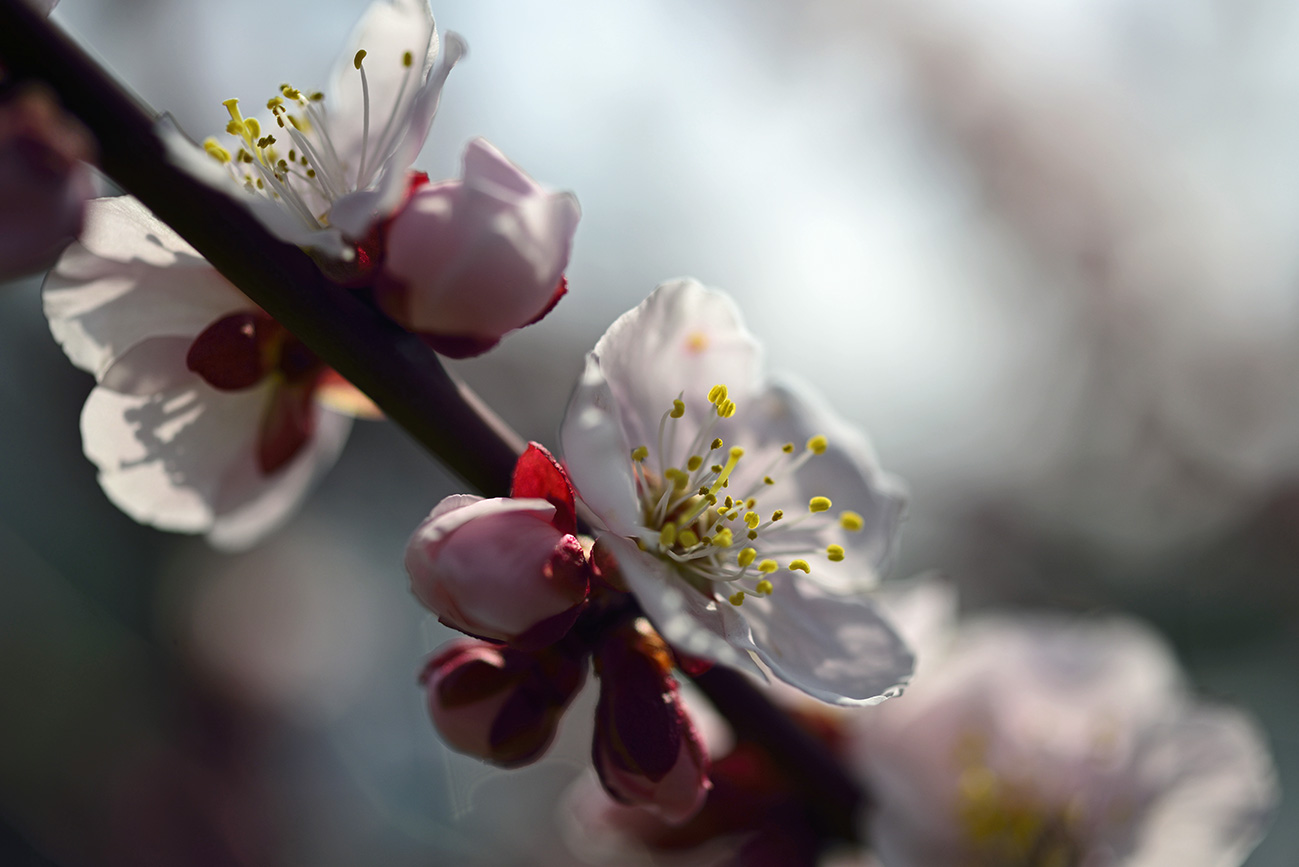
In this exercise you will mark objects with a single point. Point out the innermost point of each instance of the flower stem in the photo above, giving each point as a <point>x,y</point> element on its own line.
<point>393,367</point>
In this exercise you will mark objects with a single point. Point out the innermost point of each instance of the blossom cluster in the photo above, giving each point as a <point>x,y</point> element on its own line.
<point>702,512</point>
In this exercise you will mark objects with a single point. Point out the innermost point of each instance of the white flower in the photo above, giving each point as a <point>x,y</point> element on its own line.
<point>206,417</point>
<point>744,515</point>
<point>325,167</point>
<point>1048,741</point>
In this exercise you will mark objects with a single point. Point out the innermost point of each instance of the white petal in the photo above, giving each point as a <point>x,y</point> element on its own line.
<point>684,618</point>
<point>154,364</point>
<point>682,338</point>
<point>185,460</point>
<point>130,278</point>
<point>839,650</point>
<point>1219,795</point>
<point>597,456</point>
<point>251,505</point>
<point>847,473</point>
<point>387,30</point>
<point>354,213</point>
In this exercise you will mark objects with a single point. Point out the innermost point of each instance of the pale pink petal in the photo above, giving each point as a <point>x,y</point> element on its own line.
<point>185,460</point>
<point>686,620</point>
<point>153,365</point>
<point>839,650</point>
<point>130,278</point>
<point>597,456</point>
<point>847,473</point>
<point>683,338</point>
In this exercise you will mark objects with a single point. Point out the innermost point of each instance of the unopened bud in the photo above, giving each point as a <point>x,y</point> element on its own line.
<point>498,569</point>
<point>466,261</point>
<point>500,704</point>
<point>646,751</point>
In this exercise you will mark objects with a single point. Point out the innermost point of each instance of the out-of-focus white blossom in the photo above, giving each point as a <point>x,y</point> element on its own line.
<point>1049,741</point>
<point>745,516</point>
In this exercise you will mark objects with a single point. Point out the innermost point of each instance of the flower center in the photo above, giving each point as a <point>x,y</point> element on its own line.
<point>238,352</point>
<point>313,175</point>
<point>714,533</point>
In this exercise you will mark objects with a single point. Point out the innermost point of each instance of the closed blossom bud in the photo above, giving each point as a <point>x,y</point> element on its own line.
<point>498,569</point>
<point>466,261</point>
<point>500,704</point>
<point>44,182</point>
<point>646,751</point>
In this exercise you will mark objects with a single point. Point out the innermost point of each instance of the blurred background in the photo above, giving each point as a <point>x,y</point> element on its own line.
<point>1044,252</point>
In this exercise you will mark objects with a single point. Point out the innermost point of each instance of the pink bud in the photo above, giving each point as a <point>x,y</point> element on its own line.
<point>498,569</point>
<point>467,261</point>
<point>43,182</point>
<point>500,704</point>
<point>646,751</point>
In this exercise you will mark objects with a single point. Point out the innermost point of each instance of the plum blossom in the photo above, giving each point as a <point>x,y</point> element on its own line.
<point>1049,741</point>
<point>208,416</point>
<point>746,517</point>
<point>44,180</point>
<point>468,260</point>
<point>325,168</point>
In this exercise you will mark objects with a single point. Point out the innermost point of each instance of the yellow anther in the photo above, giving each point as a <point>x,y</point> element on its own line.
<point>678,408</point>
<point>639,453</point>
<point>752,534</point>
<point>778,514</point>
<point>717,394</point>
<point>317,96</point>
<point>407,59</point>
<point>834,553</point>
<point>688,538</point>
<point>768,480</point>
<point>360,55</point>
<point>293,155</point>
<point>764,587</point>
<point>750,503</point>
<point>819,504</point>
<point>274,102</point>
<point>311,173</point>
<point>766,567</point>
<point>668,535</point>
<point>787,448</point>
<point>717,444</point>
<point>723,538</point>
<point>726,409</point>
<point>728,502</point>
<point>694,463</point>
<point>236,127</point>
<point>260,184</point>
<point>752,519</point>
<point>851,521</point>
<point>800,564</point>
<point>737,598</point>
<point>680,481</point>
<point>717,468</point>
<point>712,500</point>
<point>215,151</point>
<point>818,444</point>
<point>294,94</point>
<point>746,557</point>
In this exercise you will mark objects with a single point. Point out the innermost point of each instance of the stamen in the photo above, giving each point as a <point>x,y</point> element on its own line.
<point>640,453</point>
<point>688,538</point>
<point>678,408</point>
<point>746,557</point>
<point>787,448</point>
<point>737,598</point>
<point>819,504</point>
<point>818,444</point>
<point>851,521</point>
<point>694,463</point>
<point>834,553</point>
<point>800,564</point>
<point>768,566</point>
<point>764,587</point>
<point>668,535</point>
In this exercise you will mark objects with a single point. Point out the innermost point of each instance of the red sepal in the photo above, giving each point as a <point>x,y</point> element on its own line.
<point>539,475</point>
